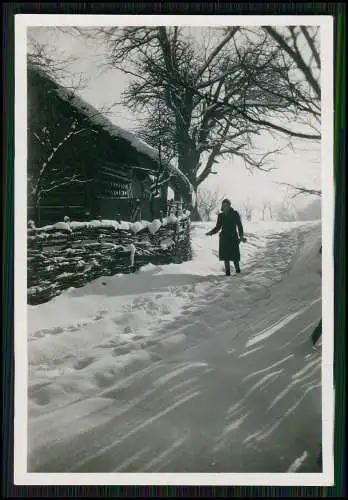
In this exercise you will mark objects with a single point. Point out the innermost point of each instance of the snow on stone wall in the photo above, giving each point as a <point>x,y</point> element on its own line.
<point>70,254</point>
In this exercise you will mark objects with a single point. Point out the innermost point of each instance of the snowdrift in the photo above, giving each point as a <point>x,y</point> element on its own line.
<point>91,348</point>
<point>86,336</point>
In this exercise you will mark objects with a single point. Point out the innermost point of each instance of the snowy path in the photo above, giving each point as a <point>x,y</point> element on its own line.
<point>230,385</point>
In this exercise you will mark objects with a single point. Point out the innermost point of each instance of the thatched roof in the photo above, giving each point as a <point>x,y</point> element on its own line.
<point>96,117</point>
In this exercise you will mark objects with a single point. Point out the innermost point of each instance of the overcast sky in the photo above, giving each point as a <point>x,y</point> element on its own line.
<point>301,167</point>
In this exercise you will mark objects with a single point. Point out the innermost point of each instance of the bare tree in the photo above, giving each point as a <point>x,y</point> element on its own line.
<point>156,133</point>
<point>289,41</point>
<point>156,130</point>
<point>208,201</point>
<point>291,53</point>
<point>266,210</point>
<point>270,210</point>
<point>50,139</point>
<point>192,83</point>
<point>54,62</point>
<point>263,210</point>
<point>248,209</point>
<point>300,46</point>
<point>301,190</point>
<point>46,178</point>
<point>286,210</point>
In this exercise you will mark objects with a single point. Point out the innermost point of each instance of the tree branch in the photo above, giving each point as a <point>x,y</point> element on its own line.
<point>216,51</point>
<point>297,58</point>
<point>72,180</point>
<point>279,128</point>
<point>55,150</point>
<point>301,190</point>
<point>312,46</point>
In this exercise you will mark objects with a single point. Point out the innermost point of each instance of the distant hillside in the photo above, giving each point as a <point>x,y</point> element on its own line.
<point>311,212</point>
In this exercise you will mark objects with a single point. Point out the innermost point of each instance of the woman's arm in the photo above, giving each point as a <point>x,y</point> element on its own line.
<point>240,227</point>
<point>217,227</point>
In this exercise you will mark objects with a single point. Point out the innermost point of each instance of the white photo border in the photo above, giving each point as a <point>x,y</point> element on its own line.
<point>21,475</point>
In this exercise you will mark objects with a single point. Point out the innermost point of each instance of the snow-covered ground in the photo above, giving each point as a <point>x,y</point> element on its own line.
<point>87,339</point>
<point>94,332</point>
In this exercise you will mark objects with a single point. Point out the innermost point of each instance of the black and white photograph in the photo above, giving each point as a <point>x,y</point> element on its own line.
<point>174,204</point>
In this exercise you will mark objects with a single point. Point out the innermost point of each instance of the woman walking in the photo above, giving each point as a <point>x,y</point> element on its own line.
<point>231,235</point>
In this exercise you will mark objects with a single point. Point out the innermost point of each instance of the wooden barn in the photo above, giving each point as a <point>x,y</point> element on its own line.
<point>83,166</point>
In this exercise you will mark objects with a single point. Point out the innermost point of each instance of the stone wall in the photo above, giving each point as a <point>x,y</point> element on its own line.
<point>70,254</point>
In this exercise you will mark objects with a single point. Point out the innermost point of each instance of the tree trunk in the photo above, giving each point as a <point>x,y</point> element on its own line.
<point>195,215</point>
<point>188,162</point>
<point>164,192</point>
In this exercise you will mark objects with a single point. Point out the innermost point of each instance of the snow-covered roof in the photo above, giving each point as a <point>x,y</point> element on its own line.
<point>99,119</point>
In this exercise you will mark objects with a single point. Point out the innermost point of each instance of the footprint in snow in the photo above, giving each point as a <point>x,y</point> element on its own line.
<point>38,335</point>
<point>155,356</point>
<point>187,307</point>
<point>108,345</point>
<point>151,305</point>
<point>42,397</point>
<point>83,363</point>
<point>73,328</point>
<point>56,330</point>
<point>100,315</point>
<point>48,331</point>
<point>138,337</point>
<point>165,310</point>
<point>119,351</point>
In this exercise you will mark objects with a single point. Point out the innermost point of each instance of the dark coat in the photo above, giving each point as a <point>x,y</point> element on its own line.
<point>231,234</point>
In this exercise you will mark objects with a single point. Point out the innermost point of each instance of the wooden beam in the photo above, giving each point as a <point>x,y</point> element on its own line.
<point>115,175</point>
<point>114,167</point>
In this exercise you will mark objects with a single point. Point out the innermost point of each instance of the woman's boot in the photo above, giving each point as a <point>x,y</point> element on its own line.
<point>227,268</point>
<point>236,265</point>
